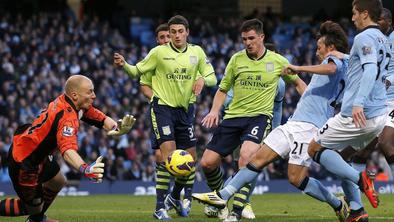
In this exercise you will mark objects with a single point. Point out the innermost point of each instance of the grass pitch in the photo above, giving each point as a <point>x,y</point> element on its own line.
<point>267,207</point>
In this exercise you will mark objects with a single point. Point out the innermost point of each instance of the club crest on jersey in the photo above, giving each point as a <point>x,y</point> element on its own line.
<point>166,130</point>
<point>193,60</point>
<point>367,50</point>
<point>269,66</point>
<point>68,131</point>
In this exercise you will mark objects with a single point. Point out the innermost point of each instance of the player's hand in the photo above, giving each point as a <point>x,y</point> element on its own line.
<point>93,171</point>
<point>198,85</point>
<point>210,120</point>
<point>290,70</point>
<point>358,117</point>
<point>124,126</point>
<point>119,60</point>
<point>337,54</point>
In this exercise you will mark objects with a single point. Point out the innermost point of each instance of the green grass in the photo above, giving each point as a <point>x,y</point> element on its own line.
<point>268,208</point>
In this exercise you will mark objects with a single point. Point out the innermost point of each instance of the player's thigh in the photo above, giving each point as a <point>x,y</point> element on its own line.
<point>226,137</point>
<point>386,141</point>
<point>300,136</point>
<point>51,170</point>
<point>184,129</point>
<point>263,156</point>
<point>297,173</point>
<point>26,184</point>
<point>162,118</point>
<point>340,132</point>
<point>255,128</point>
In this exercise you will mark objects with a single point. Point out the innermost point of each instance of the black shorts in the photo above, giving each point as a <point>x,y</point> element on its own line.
<point>27,179</point>
<point>233,132</point>
<point>173,124</point>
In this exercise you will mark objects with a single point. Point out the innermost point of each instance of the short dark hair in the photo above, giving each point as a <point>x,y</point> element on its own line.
<point>386,14</point>
<point>162,27</point>
<point>253,24</point>
<point>334,35</point>
<point>178,20</point>
<point>374,8</point>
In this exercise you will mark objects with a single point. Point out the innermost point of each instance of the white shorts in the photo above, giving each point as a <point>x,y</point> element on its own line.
<point>292,140</point>
<point>390,115</point>
<point>340,132</point>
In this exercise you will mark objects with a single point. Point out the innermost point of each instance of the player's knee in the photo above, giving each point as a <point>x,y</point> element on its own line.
<point>208,165</point>
<point>294,180</point>
<point>57,183</point>
<point>34,206</point>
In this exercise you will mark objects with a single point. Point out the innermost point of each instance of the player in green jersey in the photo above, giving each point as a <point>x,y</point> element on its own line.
<point>179,70</point>
<point>253,73</point>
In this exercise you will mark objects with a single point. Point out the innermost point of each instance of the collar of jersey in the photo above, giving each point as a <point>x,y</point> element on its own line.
<point>69,101</point>
<point>370,27</point>
<point>261,57</point>
<point>177,50</point>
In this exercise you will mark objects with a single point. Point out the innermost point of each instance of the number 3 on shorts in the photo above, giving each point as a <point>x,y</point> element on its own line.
<point>255,130</point>
<point>323,129</point>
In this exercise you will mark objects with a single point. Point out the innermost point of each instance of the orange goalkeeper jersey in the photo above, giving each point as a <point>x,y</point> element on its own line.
<point>55,127</point>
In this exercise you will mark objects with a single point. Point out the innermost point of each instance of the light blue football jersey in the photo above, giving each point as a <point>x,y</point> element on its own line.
<point>390,71</point>
<point>323,93</point>
<point>367,91</point>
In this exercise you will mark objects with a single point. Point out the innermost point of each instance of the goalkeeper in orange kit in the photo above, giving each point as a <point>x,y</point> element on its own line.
<point>35,175</point>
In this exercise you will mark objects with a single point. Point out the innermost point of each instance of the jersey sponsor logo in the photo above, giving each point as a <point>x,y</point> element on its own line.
<point>166,130</point>
<point>68,131</point>
<point>270,67</point>
<point>254,84</point>
<point>366,50</point>
<point>168,58</point>
<point>193,60</point>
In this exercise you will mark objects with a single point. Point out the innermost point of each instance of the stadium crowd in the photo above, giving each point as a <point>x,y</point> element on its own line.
<point>40,52</point>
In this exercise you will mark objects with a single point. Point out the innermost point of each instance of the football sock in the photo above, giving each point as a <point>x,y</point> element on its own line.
<point>334,163</point>
<point>163,179</point>
<point>240,198</point>
<point>12,207</point>
<point>214,179</point>
<point>317,190</point>
<point>353,194</point>
<point>189,186</point>
<point>244,176</point>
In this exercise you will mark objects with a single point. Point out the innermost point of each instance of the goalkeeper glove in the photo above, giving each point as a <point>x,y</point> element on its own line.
<point>123,127</point>
<point>93,171</point>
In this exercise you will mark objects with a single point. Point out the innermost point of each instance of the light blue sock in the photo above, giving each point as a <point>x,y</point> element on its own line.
<point>352,193</point>
<point>334,163</point>
<point>228,180</point>
<point>243,177</point>
<point>318,191</point>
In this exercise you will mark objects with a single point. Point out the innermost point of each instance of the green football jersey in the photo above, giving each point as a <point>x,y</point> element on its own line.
<point>146,79</point>
<point>254,82</point>
<point>175,72</point>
